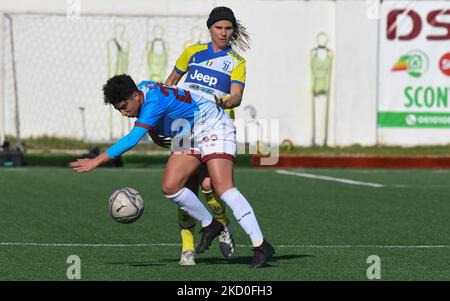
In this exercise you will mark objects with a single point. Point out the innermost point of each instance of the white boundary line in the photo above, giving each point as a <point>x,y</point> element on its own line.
<point>32,244</point>
<point>365,246</point>
<point>326,178</point>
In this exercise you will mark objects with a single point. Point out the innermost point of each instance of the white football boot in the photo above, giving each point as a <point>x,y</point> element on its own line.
<point>187,258</point>
<point>226,241</point>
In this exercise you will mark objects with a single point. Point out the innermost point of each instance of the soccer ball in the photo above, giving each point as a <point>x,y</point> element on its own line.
<point>126,205</point>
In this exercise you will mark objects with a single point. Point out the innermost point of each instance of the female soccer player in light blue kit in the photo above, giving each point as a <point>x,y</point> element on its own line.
<point>203,134</point>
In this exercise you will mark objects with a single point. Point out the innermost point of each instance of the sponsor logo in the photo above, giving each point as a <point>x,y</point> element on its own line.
<point>436,20</point>
<point>226,65</point>
<point>444,64</point>
<point>431,97</point>
<point>414,62</point>
<point>202,89</point>
<point>414,119</point>
<point>411,119</point>
<point>426,119</point>
<point>207,79</point>
<point>147,87</point>
<point>244,215</point>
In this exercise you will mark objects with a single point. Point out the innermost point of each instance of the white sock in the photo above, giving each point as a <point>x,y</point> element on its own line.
<point>189,202</point>
<point>257,243</point>
<point>243,213</point>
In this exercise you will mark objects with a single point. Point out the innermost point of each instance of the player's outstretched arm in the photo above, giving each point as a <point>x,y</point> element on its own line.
<point>118,148</point>
<point>85,165</point>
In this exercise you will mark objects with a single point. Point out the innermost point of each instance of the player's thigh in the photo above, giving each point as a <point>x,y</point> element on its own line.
<point>179,168</point>
<point>221,173</point>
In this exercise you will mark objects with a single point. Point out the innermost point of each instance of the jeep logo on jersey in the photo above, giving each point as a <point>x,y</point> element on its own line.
<point>210,80</point>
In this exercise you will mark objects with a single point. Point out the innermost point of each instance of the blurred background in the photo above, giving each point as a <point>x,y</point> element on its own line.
<point>320,73</point>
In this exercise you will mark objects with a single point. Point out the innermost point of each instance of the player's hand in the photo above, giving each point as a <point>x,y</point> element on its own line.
<point>162,141</point>
<point>83,165</point>
<point>222,103</point>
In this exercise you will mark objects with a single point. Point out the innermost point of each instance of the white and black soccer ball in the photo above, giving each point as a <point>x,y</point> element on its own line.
<point>126,205</point>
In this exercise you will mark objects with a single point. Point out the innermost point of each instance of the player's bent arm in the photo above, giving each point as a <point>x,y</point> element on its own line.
<point>173,78</point>
<point>236,92</point>
<point>235,99</point>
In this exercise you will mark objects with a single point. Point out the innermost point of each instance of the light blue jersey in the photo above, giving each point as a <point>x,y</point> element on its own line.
<point>166,108</point>
<point>170,111</point>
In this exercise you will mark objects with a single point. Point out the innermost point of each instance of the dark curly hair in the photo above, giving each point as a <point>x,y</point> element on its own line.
<point>118,88</point>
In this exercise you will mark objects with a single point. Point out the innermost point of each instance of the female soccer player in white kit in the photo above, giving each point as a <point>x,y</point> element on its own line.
<point>213,70</point>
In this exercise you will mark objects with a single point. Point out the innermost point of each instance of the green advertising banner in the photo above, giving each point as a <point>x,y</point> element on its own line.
<point>413,120</point>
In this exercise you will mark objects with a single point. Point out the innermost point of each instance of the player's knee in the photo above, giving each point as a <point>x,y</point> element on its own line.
<point>222,188</point>
<point>206,184</point>
<point>170,188</point>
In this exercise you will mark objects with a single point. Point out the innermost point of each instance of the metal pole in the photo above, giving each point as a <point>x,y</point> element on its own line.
<point>2,80</point>
<point>313,119</point>
<point>83,123</point>
<point>327,106</point>
<point>16,96</point>
<point>377,92</point>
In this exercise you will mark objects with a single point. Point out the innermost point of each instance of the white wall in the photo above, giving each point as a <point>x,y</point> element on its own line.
<point>356,73</point>
<point>118,7</point>
<point>2,91</point>
<point>278,64</point>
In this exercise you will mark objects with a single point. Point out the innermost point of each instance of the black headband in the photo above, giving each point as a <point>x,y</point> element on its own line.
<point>219,16</point>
